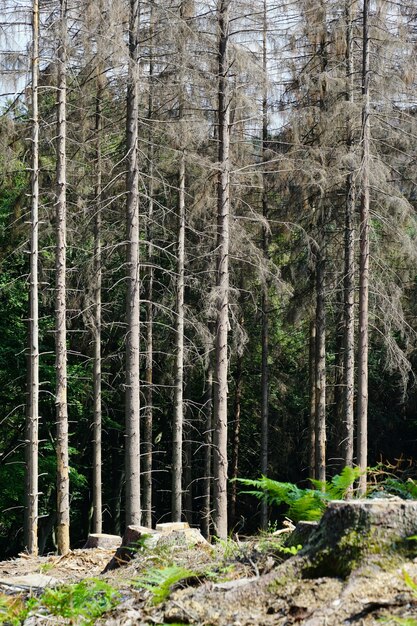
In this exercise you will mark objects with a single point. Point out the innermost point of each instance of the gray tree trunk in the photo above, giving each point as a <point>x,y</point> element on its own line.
<point>364,262</point>
<point>320,434</point>
<point>97,270</point>
<point>349,276</point>
<point>32,428</point>
<point>235,443</point>
<point>178,422</point>
<point>148,413</point>
<point>133,506</point>
<point>60,297</point>
<point>312,415</point>
<point>265,294</point>
<point>222,320</point>
<point>208,443</point>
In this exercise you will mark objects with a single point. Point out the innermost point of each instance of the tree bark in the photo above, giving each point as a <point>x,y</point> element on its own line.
<point>349,277</point>
<point>32,513</point>
<point>133,505</point>
<point>208,442</point>
<point>97,270</point>
<point>312,416</point>
<point>234,470</point>
<point>265,294</point>
<point>148,412</point>
<point>222,320</point>
<point>364,262</point>
<point>320,435</point>
<point>178,423</point>
<point>60,306</point>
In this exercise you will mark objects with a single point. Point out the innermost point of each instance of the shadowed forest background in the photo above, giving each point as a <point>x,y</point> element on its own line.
<point>246,131</point>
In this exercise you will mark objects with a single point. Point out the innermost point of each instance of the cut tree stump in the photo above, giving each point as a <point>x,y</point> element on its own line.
<point>169,534</point>
<point>101,540</point>
<point>355,530</point>
<point>131,541</point>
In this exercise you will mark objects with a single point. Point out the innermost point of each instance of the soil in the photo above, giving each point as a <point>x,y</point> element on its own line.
<point>240,584</point>
<point>247,582</point>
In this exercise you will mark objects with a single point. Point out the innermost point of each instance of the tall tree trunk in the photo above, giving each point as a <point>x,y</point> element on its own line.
<point>312,415</point>
<point>234,469</point>
<point>148,413</point>
<point>133,508</point>
<point>349,277</point>
<point>265,294</point>
<point>97,269</point>
<point>32,514</point>
<point>321,367</point>
<point>208,442</point>
<point>178,423</point>
<point>60,306</point>
<point>222,320</point>
<point>364,262</point>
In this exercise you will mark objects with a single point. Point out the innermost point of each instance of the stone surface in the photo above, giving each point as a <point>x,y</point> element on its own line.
<point>101,540</point>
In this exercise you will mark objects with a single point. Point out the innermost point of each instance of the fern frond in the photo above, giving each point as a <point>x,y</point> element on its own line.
<point>160,581</point>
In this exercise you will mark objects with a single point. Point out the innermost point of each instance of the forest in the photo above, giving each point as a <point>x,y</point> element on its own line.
<point>208,258</point>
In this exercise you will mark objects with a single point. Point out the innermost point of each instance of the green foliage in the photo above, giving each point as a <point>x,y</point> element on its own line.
<point>12,610</point>
<point>303,504</point>
<point>159,581</point>
<point>82,603</point>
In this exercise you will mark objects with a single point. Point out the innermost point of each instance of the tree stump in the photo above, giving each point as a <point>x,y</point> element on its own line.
<point>355,530</point>
<point>101,540</point>
<point>131,541</point>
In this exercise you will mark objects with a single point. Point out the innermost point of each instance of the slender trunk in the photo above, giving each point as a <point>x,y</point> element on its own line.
<point>234,469</point>
<point>31,538</point>
<point>148,413</point>
<point>320,368</point>
<point>178,423</point>
<point>265,295</point>
<point>208,441</point>
<point>188,496</point>
<point>97,458</point>
<point>349,277</point>
<point>133,508</point>
<point>222,320</point>
<point>312,417</point>
<point>60,306</point>
<point>364,262</point>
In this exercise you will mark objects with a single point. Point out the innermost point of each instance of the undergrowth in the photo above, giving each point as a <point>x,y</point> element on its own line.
<point>303,504</point>
<point>159,581</point>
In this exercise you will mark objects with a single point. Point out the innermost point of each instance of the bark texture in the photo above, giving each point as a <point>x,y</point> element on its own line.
<point>61,403</point>
<point>222,322</point>
<point>32,428</point>
<point>133,505</point>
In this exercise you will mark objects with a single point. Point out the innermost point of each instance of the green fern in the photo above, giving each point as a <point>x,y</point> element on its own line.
<point>160,581</point>
<point>303,504</point>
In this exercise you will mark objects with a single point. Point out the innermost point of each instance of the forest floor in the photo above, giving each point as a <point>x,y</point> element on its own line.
<point>240,583</point>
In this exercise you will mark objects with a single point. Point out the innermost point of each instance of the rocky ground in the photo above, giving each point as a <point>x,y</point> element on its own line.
<point>239,583</point>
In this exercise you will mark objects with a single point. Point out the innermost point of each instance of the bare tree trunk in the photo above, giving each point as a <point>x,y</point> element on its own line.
<point>320,435</point>
<point>222,321</point>
<point>133,508</point>
<point>60,306</point>
<point>265,295</point>
<point>178,423</point>
<point>148,414</point>
<point>208,441</point>
<point>349,278</point>
<point>234,470</point>
<point>312,416</point>
<point>364,262</point>
<point>97,269</point>
<point>32,428</point>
